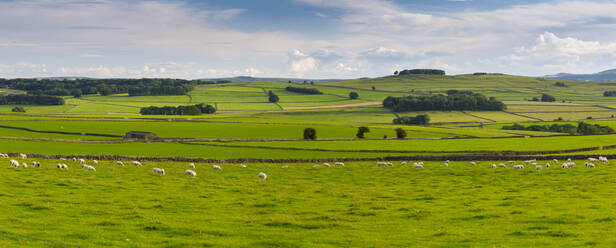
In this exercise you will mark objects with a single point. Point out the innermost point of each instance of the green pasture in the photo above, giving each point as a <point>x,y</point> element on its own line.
<point>359,205</point>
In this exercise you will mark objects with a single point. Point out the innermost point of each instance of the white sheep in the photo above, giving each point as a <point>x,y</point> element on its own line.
<point>262,176</point>
<point>564,166</point>
<point>418,166</point>
<point>547,165</point>
<point>137,163</point>
<point>538,167</point>
<point>590,165</point>
<point>339,164</point>
<point>75,159</point>
<point>381,164</point>
<point>120,163</point>
<point>62,166</point>
<point>90,168</point>
<point>326,165</point>
<point>571,164</point>
<point>82,161</point>
<point>603,160</point>
<point>190,173</point>
<point>192,165</point>
<point>555,161</point>
<point>518,167</point>
<point>403,163</point>
<point>243,165</point>
<point>285,166</point>
<point>4,155</point>
<point>592,160</point>
<point>14,163</point>
<point>95,162</point>
<point>23,156</point>
<point>473,164</point>
<point>316,166</point>
<point>501,165</point>
<point>446,164</point>
<point>36,164</point>
<point>24,165</point>
<point>493,166</point>
<point>158,171</point>
<point>511,162</point>
<point>216,167</point>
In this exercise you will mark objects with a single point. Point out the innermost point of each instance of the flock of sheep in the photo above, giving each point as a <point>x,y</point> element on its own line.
<point>85,166</point>
<point>419,165</point>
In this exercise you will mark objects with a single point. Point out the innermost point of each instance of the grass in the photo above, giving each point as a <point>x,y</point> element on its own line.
<point>306,207</point>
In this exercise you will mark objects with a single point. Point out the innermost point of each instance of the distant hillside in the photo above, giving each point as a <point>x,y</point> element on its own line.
<point>609,75</point>
<point>281,80</point>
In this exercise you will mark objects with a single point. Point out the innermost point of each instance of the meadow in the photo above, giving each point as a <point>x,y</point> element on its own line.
<point>301,206</point>
<point>359,205</point>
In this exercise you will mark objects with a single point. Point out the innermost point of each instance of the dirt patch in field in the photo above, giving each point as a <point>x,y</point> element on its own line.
<point>336,106</point>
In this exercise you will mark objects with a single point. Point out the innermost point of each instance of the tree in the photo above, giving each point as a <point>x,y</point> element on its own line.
<point>310,133</point>
<point>373,88</point>
<point>18,109</point>
<point>206,109</point>
<point>361,131</point>
<point>547,98</point>
<point>273,98</point>
<point>353,95</point>
<point>400,133</point>
<point>76,93</point>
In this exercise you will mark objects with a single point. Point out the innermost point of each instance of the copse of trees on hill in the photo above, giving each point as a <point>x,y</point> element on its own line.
<point>420,72</point>
<point>309,91</point>
<point>77,87</point>
<point>609,93</point>
<point>582,128</point>
<point>456,101</point>
<point>413,120</point>
<point>179,110</point>
<point>31,100</point>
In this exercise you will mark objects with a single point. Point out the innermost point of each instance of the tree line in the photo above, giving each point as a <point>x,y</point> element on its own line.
<point>581,128</point>
<point>31,100</point>
<point>456,101</point>
<point>420,72</point>
<point>309,91</point>
<point>609,93</point>
<point>87,86</point>
<point>198,109</point>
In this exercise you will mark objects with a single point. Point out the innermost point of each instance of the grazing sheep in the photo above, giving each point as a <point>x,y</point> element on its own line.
<point>446,164</point>
<point>24,165</point>
<point>326,165</point>
<point>571,164</point>
<point>473,164</point>
<point>511,162</point>
<point>403,163</point>
<point>75,159</point>
<point>316,166</point>
<point>547,165</point>
<point>339,164</point>
<point>493,166</point>
<point>158,171</point>
<point>14,163</point>
<point>262,176</point>
<point>538,167</point>
<point>192,165</point>
<point>62,158</point>
<point>23,156</point>
<point>119,163</point>
<point>285,166</point>
<point>379,164</point>
<point>243,165</point>
<point>216,167</point>
<point>603,160</point>
<point>590,166</point>
<point>62,166</point>
<point>564,166</point>
<point>418,166</point>
<point>592,160</point>
<point>190,173</point>
<point>137,163</point>
<point>36,164</point>
<point>501,165</point>
<point>82,161</point>
<point>90,168</point>
<point>555,161</point>
<point>95,161</point>
<point>518,167</point>
<point>4,155</point>
<point>569,160</point>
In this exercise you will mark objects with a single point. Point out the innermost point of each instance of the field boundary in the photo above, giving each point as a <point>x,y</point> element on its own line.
<point>61,132</point>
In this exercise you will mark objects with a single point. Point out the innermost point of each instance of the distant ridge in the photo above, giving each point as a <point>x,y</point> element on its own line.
<point>609,75</point>
<point>280,80</point>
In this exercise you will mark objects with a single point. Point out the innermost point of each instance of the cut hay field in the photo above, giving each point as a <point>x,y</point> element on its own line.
<point>359,205</point>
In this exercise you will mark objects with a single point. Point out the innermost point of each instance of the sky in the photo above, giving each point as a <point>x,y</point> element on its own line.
<point>303,38</point>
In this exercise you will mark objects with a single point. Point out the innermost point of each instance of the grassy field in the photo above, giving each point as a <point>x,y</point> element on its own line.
<point>359,205</point>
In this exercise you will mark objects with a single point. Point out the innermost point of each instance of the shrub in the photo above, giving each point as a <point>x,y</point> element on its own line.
<point>547,98</point>
<point>400,133</point>
<point>361,131</point>
<point>273,98</point>
<point>582,128</point>
<point>353,95</point>
<point>310,133</point>
<point>18,109</point>
<point>413,120</point>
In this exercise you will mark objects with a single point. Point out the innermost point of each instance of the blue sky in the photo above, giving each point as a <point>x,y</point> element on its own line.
<point>303,38</point>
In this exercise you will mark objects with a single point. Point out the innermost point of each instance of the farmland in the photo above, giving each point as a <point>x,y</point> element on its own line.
<point>302,206</point>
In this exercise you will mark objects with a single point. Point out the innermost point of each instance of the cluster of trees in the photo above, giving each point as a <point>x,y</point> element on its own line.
<point>353,95</point>
<point>309,91</point>
<point>413,120</point>
<point>420,71</point>
<point>179,110</point>
<point>609,93</point>
<point>361,132</point>
<point>311,133</point>
<point>271,97</point>
<point>582,128</point>
<point>31,100</point>
<point>86,86</point>
<point>545,98</point>
<point>455,101</point>
<point>560,84</point>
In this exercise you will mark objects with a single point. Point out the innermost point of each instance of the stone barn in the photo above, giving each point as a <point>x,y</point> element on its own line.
<point>138,135</point>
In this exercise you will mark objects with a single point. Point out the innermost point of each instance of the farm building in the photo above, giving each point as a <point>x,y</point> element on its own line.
<point>140,135</point>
